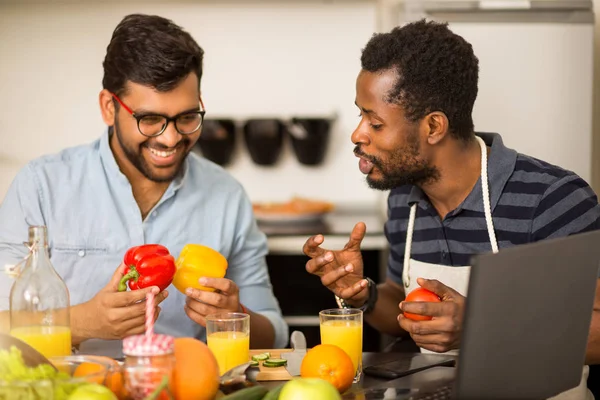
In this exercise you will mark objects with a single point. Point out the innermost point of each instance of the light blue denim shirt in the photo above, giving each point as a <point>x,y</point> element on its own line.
<point>92,219</point>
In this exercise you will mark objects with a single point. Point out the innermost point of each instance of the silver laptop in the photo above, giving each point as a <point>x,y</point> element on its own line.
<point>526,325</point>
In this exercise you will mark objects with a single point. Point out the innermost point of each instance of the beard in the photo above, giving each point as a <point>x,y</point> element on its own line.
<point>404,167</point>
<point>136,158</point>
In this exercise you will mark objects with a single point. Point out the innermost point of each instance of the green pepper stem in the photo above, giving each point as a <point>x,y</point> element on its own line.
<point>132,274</point>
<point>164,386</point>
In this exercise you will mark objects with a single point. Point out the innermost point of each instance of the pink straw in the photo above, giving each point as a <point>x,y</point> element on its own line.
<point>150,315</point>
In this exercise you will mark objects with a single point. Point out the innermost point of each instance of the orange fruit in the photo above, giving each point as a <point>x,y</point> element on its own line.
<point>114,377</point>
<point>196,370</point>
<point>330,363</point>
<point>196,261</point>
<point>91,372</point>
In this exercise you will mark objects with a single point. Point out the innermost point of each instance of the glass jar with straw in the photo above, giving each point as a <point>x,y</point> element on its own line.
<point>149,361</point>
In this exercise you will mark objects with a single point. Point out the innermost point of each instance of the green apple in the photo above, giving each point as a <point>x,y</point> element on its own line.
<point>92,391</point>
<point>309,389</point>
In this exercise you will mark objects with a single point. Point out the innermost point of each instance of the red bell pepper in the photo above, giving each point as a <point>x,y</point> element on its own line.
<point>148,265</point>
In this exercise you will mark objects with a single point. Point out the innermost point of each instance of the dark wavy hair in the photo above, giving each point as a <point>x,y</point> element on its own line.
<point>437,71</point>
<point>151,51</point>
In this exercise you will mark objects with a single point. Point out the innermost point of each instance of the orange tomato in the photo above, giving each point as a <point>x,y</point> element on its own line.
<point>330,363</point>
<point>196,371</point>
<point>422,295</point>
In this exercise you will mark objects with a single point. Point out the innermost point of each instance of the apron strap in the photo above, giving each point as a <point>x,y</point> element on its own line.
<point>487,208</point>
<point>408,246</point>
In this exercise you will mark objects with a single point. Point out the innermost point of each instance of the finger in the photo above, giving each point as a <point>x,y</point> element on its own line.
<point>426,308</point>
<point>201,308</point>
<point>333,276</point>
<point>315,265</point>
<point>224,285</point>
<point>135,326</point>
<point>421,328</point>
<point>438,339</point>
<point>194,316</point>
<point>124,299</point>
<point>437,287</point>
<point>311,246</point>
<point>356,236</point>
<point>130,313</point>
<point>161,297</point>
<point>353,290</point>
<point>113,284</point>
<point>215,299</point>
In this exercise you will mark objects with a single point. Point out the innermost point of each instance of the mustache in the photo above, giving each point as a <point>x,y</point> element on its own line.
<point>160,147</point>
<point>358,152</point>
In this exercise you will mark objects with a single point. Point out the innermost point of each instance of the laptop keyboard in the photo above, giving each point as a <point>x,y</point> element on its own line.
<point>442,393</point>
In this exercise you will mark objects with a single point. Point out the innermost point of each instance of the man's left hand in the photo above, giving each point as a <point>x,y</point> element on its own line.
<point>200,303</point>
<point>442,333</point>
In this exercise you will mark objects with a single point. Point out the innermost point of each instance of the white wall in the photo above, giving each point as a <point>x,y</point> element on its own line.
<point>282,58</point>
<point>262,58</point>
<point>536,88</point>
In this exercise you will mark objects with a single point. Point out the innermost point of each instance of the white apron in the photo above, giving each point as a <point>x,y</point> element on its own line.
<point>458,277</point>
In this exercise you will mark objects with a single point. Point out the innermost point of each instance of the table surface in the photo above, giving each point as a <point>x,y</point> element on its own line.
<point>414,382</point>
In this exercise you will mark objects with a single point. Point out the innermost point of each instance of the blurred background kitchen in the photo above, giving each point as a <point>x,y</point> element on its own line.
<point>292,64</point>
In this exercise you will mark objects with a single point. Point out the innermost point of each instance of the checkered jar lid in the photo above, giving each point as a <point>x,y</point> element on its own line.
<point>142,345</point>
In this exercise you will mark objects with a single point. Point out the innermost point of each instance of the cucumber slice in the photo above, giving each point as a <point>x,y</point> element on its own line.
<point>261,356</point>
<point>274,362</point>
<point>254,363</point>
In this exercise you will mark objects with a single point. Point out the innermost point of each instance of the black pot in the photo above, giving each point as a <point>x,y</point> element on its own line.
<point>310,139</point>
<point>264,139</point>
<point>217,140</point>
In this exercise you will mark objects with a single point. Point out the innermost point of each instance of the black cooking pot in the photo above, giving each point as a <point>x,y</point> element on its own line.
<point>217,140</point>
<point>310,139</point>
<point>264,139</point>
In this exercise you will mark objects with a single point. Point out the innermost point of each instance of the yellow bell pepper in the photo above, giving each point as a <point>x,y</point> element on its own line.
<point>196,261</point>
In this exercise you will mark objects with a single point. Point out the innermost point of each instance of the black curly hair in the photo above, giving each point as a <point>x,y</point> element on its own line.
<point>437,71</point>
<point>150,50</point>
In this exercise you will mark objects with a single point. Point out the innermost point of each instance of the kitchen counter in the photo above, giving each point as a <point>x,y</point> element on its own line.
<point>289,237</point>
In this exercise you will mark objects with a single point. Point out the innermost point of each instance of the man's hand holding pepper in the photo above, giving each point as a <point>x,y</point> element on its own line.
<point>200,303</point>
<point>112,314</point>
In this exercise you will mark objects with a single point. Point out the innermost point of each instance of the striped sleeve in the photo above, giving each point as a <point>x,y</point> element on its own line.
<point>395,235</point>
<point>567,207</point>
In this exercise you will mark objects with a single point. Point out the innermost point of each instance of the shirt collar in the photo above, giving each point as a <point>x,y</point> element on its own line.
<point>112,168</point>
<point>501,164</point>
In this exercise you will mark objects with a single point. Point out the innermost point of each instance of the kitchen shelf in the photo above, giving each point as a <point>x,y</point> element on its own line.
<point>288,238</point>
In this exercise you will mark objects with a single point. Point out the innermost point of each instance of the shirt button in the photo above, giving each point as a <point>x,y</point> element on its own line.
<point>444,254</point>
<point>155,214</point>
<point>81,253</point>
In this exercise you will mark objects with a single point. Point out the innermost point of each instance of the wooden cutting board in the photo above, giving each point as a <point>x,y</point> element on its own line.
<point>272,374</point>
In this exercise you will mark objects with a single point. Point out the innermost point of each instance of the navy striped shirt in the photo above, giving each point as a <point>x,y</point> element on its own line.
<point>531,200</point>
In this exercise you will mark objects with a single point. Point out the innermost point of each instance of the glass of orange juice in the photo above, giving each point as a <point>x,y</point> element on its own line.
<point>228,337</point>
<point>343,327</point>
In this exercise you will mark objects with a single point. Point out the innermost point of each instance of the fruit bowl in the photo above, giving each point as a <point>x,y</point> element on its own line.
<point>44,383</point>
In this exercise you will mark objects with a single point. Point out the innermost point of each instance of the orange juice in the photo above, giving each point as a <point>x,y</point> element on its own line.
<point>230,349</point>
<point>345,334</point>
<point>51,341</point>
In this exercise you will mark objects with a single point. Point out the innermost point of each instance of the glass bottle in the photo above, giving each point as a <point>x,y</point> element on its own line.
<point>39,301</point>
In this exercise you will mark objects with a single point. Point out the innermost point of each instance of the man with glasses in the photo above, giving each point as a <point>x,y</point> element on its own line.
<point>139,184</point>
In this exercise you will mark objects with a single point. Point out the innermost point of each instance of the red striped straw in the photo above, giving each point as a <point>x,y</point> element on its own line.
<point>150,315</point>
